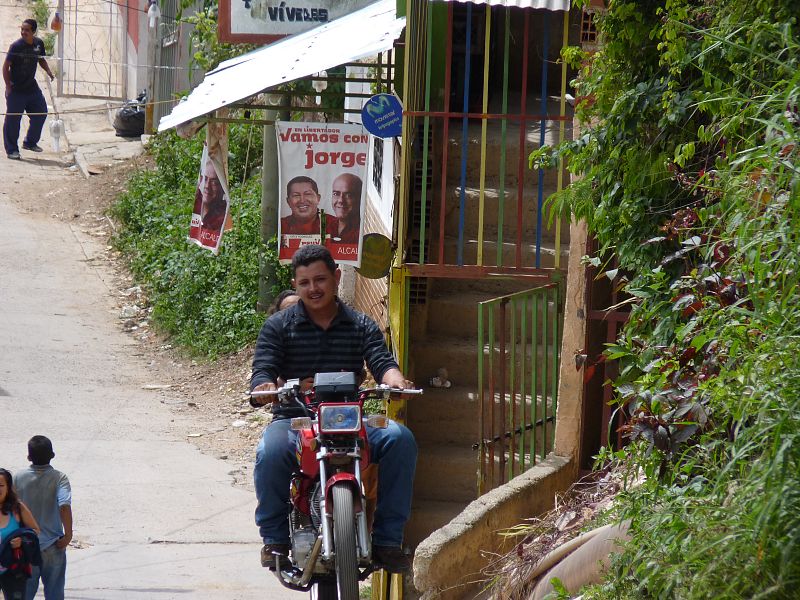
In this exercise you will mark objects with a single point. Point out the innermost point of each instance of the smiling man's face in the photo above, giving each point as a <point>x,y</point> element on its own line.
<point>346,197</point>
<point>303,201</point>
<point>27,32</point>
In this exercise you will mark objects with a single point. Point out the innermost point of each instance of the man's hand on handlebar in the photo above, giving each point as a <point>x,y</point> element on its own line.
<point>262,400</point>
<point>394,378</point>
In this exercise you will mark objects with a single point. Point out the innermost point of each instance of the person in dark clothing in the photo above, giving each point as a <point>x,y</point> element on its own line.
<point>14,515</point>
<point>22,91</point>
<point>321,334</point>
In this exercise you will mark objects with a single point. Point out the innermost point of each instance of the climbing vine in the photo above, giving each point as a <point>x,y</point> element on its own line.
<point>688,164</point>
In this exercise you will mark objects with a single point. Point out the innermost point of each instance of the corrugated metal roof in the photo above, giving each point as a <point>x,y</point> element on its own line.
<point>364,33</point>
<point>546,4</point>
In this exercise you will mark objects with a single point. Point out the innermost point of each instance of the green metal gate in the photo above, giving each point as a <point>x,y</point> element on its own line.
<point>519,342</point>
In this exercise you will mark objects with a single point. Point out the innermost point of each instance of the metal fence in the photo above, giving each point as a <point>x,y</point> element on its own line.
<point>92,52</point>
<point>519,342</point>
<point>484,103</point>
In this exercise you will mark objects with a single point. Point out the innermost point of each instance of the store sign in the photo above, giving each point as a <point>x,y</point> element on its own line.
<point>382,116</point>
<point>266,21</point>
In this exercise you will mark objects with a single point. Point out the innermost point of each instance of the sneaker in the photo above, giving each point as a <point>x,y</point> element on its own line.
<point>14,156</point>
<point>270,551</point>
<point>32,147</point>
<point>390,558</point>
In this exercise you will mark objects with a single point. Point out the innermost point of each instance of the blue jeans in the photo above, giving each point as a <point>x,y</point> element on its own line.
<point>393,448</point>
<point>53,573</point>
<point>19,102</point>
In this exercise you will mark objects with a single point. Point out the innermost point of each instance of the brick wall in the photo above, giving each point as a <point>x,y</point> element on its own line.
<point>371,294</point>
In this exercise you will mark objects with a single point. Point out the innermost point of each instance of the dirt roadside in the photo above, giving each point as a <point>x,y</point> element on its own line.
<point>225,426</point>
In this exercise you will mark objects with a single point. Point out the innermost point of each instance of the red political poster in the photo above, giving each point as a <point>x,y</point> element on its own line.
<point>322,169</point>
<point>211,212</point>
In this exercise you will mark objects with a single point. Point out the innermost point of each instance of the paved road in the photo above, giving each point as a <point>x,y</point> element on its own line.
<point>155,519</point>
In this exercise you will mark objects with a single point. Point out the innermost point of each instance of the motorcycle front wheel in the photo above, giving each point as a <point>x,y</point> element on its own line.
<point>344,541</point>
<point>324,590</point>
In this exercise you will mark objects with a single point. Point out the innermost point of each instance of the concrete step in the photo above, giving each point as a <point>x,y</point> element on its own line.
<point>446,416</point>
<point>458,355</point>
<point>491,211</point>
<point>452,416</point>
<point>491,287</point>
<point>495,144</point>
<point>447,473</point>
<point>427,516</point>
<point>455,314</point>
<point>469,256</point>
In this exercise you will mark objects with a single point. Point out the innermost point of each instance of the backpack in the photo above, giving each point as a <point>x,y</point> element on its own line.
<point>20,561</point>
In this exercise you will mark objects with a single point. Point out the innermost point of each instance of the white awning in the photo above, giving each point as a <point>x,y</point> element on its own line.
<point>545,4</point>
<point>366,32</point>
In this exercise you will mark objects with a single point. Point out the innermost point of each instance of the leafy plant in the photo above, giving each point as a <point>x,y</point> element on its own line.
<point>207,303</point>
<point>688,164</point>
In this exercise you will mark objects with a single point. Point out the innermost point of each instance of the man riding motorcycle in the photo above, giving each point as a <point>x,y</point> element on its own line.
<point>322,334</point>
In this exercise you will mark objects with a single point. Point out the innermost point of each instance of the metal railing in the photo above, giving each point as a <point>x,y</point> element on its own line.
<point>519,343</point>
<point>478,206</point>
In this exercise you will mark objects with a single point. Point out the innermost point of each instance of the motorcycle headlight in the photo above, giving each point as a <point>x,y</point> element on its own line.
<point>339,418</point>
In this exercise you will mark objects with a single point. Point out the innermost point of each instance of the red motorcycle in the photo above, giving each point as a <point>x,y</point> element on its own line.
<point>328,525</point>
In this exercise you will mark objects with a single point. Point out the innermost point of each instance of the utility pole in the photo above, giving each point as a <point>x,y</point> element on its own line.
<point>269,210</point>
<point>60,80</point>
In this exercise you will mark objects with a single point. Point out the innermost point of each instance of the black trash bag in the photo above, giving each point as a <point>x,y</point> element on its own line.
<point>129,120</point>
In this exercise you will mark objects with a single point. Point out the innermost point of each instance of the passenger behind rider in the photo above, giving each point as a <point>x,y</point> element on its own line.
<point>14,515</point>
<point>322,334</point>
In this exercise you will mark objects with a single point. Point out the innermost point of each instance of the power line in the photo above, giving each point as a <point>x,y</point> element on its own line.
<point>114,63</point>
<point>123,7</point>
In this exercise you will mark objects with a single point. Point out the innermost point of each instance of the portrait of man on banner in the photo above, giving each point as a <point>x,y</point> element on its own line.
<point>322,168</point>
<point>211,212</point>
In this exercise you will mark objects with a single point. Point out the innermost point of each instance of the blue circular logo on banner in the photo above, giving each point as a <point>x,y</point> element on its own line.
<point>382,116</point>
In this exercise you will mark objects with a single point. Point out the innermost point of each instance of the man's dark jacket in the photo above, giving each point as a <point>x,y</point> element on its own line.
<point>292,346</point>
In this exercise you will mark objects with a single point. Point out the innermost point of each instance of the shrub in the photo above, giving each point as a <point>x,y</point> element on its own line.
<point>206,302</point>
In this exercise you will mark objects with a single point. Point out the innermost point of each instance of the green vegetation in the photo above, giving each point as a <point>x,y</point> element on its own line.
<point>41,12</point>
<point>690,177</point>
<point>206,302</point>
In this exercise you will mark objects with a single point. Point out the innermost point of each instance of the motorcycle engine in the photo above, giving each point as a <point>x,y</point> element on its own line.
<point>302,543</point>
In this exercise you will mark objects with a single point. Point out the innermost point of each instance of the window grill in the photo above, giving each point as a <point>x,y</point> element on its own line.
<point>417,291</point>
<point>377,164</point>
<point>588,28</point>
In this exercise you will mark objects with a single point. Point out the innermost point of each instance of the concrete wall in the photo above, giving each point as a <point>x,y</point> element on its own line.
<point>448,564</point>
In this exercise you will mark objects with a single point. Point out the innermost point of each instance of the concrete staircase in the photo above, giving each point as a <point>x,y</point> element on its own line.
<point>443,322</point>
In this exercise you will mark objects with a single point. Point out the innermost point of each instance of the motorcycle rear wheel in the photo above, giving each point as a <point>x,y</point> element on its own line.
<point>344,541</point>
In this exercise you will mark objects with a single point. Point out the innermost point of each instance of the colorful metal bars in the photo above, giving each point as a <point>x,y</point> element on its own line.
<point>519,343</point>
<point>488,213</point>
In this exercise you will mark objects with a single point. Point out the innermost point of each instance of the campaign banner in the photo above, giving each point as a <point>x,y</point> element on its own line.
<point>266,21</point>
<point>322,169</point>
<point>211,211</point>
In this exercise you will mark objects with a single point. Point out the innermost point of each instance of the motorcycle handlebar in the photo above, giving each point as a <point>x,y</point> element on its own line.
<point>264,393</point>
<point>380,388</point>
<point>391,390</point>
